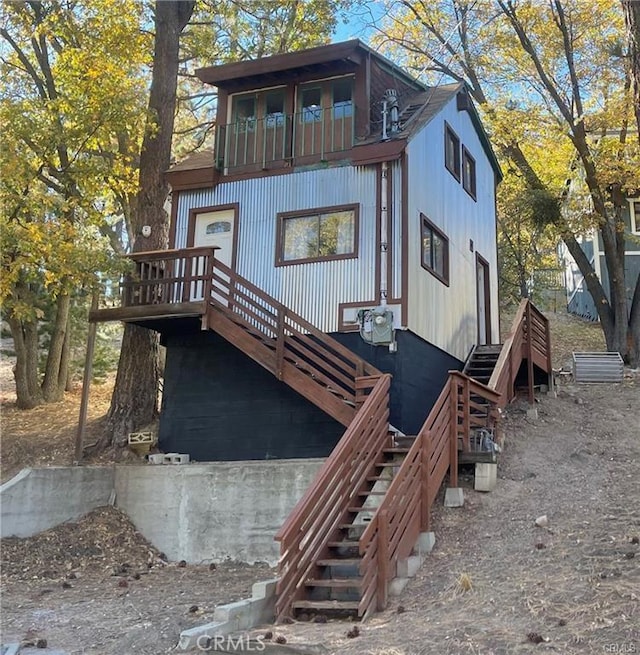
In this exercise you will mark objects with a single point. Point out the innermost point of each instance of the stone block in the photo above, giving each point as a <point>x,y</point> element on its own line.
<point>486,476</point>
<point>454,497</point>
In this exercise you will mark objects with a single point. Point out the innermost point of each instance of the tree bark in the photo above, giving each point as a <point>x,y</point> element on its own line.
<point>25,343</point>
<point>133,403</point>
<point>52,390</point>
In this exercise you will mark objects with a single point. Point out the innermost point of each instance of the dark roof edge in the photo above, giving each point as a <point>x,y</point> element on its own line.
<point>282,62</point>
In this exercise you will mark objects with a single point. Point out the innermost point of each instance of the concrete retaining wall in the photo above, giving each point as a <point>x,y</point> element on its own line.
<point>195,512</point>
<point>39,499</point>
<point>208,512</point>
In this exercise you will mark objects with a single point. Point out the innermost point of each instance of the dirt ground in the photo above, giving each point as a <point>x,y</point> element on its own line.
<point>495,583</point>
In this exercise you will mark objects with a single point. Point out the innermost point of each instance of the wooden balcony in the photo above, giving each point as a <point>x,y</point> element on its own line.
<point>281,140</point>
<point>163,284</point>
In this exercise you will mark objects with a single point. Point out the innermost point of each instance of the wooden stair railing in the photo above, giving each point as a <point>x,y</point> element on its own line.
<point>316,519</point>
<point>529,339</point>
<point>315,365</point>
<point>406,507</point>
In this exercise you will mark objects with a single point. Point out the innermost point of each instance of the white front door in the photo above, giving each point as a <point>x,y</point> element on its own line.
<point>214,228</point>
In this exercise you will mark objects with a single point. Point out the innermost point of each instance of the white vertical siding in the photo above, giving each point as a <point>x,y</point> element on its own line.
<point>446,316</point>
<point>313,290</point>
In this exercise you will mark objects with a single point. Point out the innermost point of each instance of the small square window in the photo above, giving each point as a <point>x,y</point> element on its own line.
<point>317,235</point>
<point>452,152</point>
<point>435,250</point>
<point>468,173</point>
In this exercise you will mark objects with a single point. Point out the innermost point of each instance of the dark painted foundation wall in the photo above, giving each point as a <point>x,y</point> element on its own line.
<point>419,372</point>
<point>219,405</point>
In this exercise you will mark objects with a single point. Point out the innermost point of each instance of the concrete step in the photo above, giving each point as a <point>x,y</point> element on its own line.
<point>344,544</point>
<point>344,561</point>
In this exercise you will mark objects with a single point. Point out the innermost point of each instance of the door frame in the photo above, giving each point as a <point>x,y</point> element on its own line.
<point>482,262</point>
<point>191,229</point>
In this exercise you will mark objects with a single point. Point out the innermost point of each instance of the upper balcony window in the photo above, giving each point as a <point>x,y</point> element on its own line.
<point>274,108</point>
<point>311,105</point>
<point>342,102</point>
<point>244,113</point>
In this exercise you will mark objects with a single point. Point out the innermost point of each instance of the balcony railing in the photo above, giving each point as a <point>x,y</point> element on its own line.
<point>261,143</point>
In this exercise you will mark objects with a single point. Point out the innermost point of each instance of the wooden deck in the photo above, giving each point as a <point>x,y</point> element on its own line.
<point>140,313</point>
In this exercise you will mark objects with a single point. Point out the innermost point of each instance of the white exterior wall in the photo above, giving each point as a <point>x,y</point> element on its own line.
<point>446,316</point>
<point>313,290</point>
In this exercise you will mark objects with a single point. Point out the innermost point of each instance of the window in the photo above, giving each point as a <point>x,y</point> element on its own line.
<point>218,227</point>
<point>274,109</point>
<point>342,104</point>
<point>634,211</point>
<point>468,173</point>
<point>318,234</point>
<point>244,113</point>
<point>435,250</point>
<point>452,152</point>
<point>311,105</point>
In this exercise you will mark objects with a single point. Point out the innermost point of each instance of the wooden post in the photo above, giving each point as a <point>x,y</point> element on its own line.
<point>466,411</point>
<point>383,558</point>
<point>208,285</point>
<point>282,312</point>
<point>453,432</point>
<point>530,355</point>
<point>86,383</point>
<point>425,500</point>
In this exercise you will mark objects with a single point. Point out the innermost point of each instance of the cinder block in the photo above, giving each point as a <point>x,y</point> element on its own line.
<point>486,476</point>
<point>426,542</point>
<point>397,585</point>
<point>408,567</point>
<point>176,458</point>
<point>237,615</point>
<point>532,413</point>
<point>454,497</point>
<point>156,458</point>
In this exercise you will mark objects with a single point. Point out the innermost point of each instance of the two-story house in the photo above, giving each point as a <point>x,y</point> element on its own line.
<point>338,184</point>
<point>332,265</point>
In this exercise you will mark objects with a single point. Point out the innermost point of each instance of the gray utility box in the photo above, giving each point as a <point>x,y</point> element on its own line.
<point>597,367</point>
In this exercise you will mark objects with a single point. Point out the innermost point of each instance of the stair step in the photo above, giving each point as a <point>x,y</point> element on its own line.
<point>344,544</point>
<point>325,604</point>
<point>387,464</point>
<point>336,561</point>
<point>336,583</point>
<point>353,526</point>
<point>365,494</point>
<point>399,449</point>
<point>357,510</point>
<point>379,478</point>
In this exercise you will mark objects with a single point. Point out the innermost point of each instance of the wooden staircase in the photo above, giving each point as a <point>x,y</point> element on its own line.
<point>482,362</point>
<point>371,499</point>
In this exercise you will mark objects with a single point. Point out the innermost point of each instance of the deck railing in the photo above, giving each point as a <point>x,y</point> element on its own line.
<point>317,515</point>
<point>282,137</point>
<point>167,276</point>
<point>405,510</point>
<point>528,339</point>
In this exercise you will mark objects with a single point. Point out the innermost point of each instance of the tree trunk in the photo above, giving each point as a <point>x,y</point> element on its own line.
<point>133,403</point>
<point>52,390</point>
<point>25,372</point>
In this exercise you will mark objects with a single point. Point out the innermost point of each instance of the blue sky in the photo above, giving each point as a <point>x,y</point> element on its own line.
<point>359,19</point>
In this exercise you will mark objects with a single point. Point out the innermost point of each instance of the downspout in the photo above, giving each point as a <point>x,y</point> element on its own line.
<point>384,236</point>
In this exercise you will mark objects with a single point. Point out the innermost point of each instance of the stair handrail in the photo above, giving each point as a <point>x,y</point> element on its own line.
<point>406,507</point>
<point>528,339</point>
<point>328,359</point>
<point>317,515</point>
